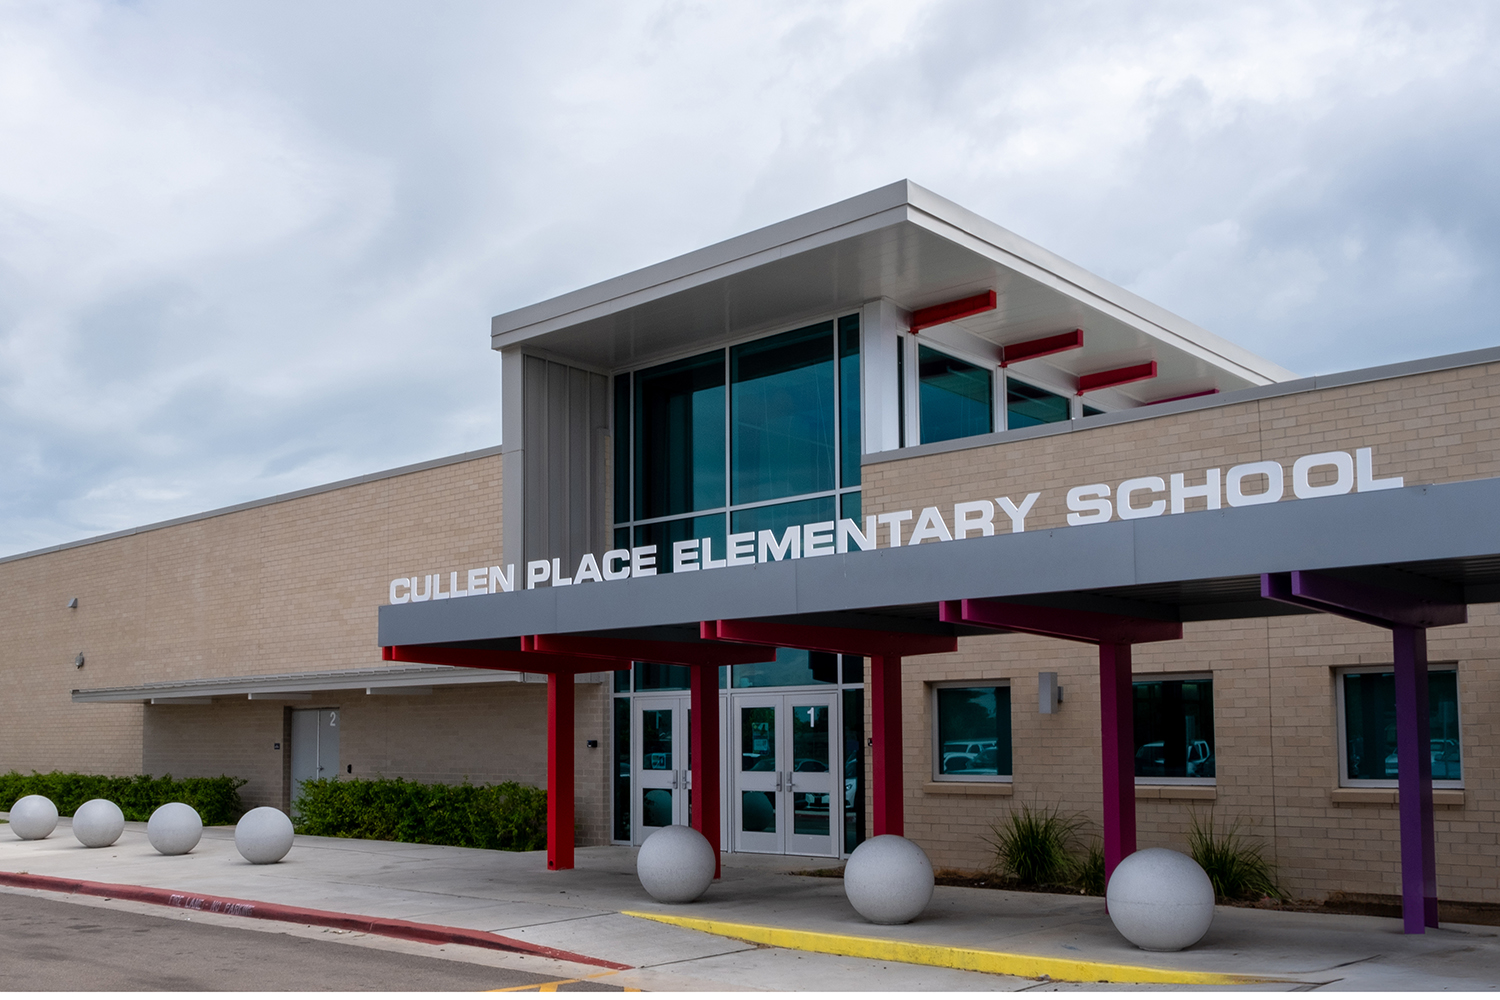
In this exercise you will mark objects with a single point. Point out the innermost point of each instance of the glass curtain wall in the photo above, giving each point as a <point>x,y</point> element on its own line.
<point>761,435</point>
<point>956,398</point>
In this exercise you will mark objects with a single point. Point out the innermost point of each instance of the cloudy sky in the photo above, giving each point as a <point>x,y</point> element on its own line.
<point>251,247</point>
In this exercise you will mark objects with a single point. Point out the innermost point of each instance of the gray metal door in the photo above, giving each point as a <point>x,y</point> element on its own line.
<point>315,747</point>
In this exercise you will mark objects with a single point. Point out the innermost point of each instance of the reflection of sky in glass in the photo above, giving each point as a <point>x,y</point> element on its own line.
<point>955,397</point>
<point>782,401</point>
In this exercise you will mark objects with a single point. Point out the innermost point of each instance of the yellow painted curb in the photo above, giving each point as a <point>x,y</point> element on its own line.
<point>972,959</point>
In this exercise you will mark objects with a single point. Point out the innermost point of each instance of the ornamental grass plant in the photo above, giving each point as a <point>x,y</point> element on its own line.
<point>138,796</point>
<point>1235,864</point>
<point>1035,846</point>
<point>505,817</point>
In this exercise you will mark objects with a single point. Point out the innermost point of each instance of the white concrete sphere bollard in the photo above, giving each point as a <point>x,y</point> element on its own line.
<point>263,835</point>
<point>174,828</point>
<point>1160,900</point>
<point>98,823</point>
<point>676,864</point>
<point>33,817</point>
<point>888,880</point>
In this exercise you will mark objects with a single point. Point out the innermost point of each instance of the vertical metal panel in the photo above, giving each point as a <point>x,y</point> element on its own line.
<point>565,440</point>
<point>880,324</point>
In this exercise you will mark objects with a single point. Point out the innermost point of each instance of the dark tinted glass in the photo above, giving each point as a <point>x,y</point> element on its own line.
<point>1027,406</point>
<point>1091,411</point>
<point>956,397</point>
<point>782,400</point>
<point>622,449</point>
<point>622,767</point>
<point>849,426</point>
<point>974,731</point>
<point>791,667</point>
<point>663,533</point>
<point>849,504</point>
<point>1370,725</point>
<point>661,677</point>
<point>679,436</point>
<point>854,767</point>
<point>778,517</point>
<point>1174,729</point>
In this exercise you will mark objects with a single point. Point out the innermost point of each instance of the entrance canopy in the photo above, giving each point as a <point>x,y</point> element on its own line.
<point>1437,542</point>
<point>1403,559</point>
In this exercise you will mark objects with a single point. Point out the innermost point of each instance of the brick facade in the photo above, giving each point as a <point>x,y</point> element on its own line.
<point>1274,697</point>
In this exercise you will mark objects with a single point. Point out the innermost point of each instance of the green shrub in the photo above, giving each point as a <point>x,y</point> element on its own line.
<point>1236,865</point>
<point>1088,871</point>
<point>216,799</point>
<point>504,817</point>
<point>1034,846</point>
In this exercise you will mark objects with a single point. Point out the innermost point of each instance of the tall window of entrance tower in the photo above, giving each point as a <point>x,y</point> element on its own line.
<point>762,434</point>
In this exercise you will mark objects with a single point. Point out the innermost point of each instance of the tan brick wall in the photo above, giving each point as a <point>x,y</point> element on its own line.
<point>285,587</point>
<point>1275,725</point>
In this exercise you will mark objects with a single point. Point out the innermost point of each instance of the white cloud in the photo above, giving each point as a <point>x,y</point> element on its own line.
<point>249,247</point>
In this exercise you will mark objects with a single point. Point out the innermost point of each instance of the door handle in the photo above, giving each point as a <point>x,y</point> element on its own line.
<point>778,781</point>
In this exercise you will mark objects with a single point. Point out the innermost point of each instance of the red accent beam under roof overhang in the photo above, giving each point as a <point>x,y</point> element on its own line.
<point>947,312</point>
<point>1116,376</point>
<point>1059,623</point>
<point>827,639</point>
<point>500,659</point>
<point>1012,354</point>
<point>685,654</point>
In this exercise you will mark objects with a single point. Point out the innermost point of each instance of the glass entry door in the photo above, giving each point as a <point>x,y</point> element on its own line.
<point>661,763</point>
<point>783,746</point>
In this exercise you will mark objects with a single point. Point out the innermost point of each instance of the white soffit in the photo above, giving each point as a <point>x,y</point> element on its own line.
<point>899,242</point>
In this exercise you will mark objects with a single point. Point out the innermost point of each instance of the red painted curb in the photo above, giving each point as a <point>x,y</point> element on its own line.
<point>406,930</point>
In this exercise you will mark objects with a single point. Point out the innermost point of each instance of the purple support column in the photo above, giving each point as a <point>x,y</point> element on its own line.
<point>1414,778</point>
<point>1117,751</point>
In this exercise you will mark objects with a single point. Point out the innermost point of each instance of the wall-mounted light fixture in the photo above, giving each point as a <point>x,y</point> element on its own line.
<point>1048,693</point>
<point>78,661</point>
<point>73,603</point>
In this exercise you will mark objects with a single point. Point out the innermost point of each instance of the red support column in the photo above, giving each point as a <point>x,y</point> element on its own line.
<point>886,755</point>
<point>1117,745</point>
<point>704,739</point>
<point>1419,907</point>
<point>559,771</point>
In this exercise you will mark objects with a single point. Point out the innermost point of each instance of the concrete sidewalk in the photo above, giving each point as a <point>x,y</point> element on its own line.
<point>584,911</point>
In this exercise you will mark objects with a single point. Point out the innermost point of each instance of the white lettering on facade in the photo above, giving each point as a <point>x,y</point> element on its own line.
<point>1325,474</point>
<point>1016,514</point>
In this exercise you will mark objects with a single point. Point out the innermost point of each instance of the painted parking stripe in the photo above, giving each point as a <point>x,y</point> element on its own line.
<point>970,959</point>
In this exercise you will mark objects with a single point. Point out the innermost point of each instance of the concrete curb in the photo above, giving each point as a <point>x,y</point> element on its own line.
<point>944,956</point>
<point>405,930</point>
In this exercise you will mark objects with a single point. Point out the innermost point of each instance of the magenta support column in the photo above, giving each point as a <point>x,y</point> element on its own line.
<point>704,737</point>
<point>1414,778</point>
<point>559,771</point>
<point>886,755</point>
<point>1117,752</point>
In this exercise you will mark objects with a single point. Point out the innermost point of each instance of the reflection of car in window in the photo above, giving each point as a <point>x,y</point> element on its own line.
<point>1151,760</point>
<point>809,764</point>
<point>1445,762</point>
<point>851,782</point>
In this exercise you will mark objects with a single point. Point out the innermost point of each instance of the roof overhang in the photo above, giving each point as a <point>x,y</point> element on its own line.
<point>1184,567</point>
<point>398,679</point>
<point>901,243</point>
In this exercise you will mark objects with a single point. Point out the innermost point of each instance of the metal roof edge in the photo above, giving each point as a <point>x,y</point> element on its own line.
<point>1151,411</point>
<point>715,255</point>
<point>406,674</point>
<point>1087,281</point>
<point>369,477</point>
